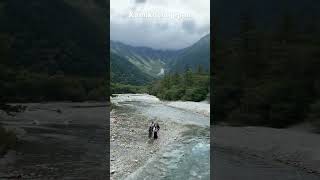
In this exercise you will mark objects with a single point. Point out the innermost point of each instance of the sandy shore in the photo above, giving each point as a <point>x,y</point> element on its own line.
<point>289,146</point>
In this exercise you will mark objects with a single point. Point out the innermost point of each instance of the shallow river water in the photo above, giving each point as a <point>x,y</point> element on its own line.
<point>188,157</point>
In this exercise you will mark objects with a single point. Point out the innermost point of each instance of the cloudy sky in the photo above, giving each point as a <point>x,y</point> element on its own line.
<point>160,24</point>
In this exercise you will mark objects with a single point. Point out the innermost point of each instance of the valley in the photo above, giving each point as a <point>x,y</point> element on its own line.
<point>140,65</point>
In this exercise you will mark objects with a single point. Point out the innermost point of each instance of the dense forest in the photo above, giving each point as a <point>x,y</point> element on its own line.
<point>119,88</point>
<point>24,86</point>
<point>269,78</point>
<point>188,86</point>
<point>50,56</point>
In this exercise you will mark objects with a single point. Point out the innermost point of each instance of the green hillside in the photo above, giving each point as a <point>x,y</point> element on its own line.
<point>147,60</point>
<point>122,71</point>
<point>194,56</point>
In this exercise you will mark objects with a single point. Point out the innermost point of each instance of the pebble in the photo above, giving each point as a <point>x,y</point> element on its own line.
<point>135,160</point>
<point>35,122</point>
<point>311,171</point>
<point>113,171</point>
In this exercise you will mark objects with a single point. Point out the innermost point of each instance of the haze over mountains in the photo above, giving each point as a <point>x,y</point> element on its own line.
<point>139,65</point>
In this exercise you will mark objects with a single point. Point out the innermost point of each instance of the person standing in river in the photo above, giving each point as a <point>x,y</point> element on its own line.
<point>151,127</point>
<point>156,130</point>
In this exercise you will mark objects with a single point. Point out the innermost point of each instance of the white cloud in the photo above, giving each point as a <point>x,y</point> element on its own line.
<point>161,24</point>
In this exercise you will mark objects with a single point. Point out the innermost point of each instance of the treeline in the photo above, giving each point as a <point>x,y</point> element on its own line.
<point>188,86</point>
<point>119,88</point>
<point>24,86</point>
<point>268,78</point>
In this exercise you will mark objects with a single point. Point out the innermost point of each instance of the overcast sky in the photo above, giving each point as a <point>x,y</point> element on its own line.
<point>160,24</point>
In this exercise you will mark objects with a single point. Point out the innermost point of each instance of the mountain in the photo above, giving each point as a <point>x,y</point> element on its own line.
<point>125,72</point>
<point>150,61</point>
<point>154,63</point>
<point>196,55</point>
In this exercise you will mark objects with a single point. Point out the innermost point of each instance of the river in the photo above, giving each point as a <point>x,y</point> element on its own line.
<point>185,156</point>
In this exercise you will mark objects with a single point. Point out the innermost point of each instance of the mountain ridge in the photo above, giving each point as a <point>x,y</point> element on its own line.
<point>155,62</point>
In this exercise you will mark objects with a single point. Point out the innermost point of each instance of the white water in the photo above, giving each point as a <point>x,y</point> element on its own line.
<point>133,97</point>
<point>197,107</point>
<point>161,72</point>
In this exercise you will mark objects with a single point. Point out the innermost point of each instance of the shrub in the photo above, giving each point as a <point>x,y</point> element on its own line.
<point>8,140</point>
<point>314,115</point>
<point>195,94</point>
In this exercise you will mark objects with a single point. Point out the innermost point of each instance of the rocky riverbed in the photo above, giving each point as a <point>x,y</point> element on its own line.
<point>130,144</point>
<point>182,150</point>
<point>294,149</point>
<point>57,141</point>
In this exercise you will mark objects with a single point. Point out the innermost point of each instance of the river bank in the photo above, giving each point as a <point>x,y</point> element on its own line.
<point>198,107</point>
<point>57,141</point>
<point>130,146</point>
<point>292,147</point>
